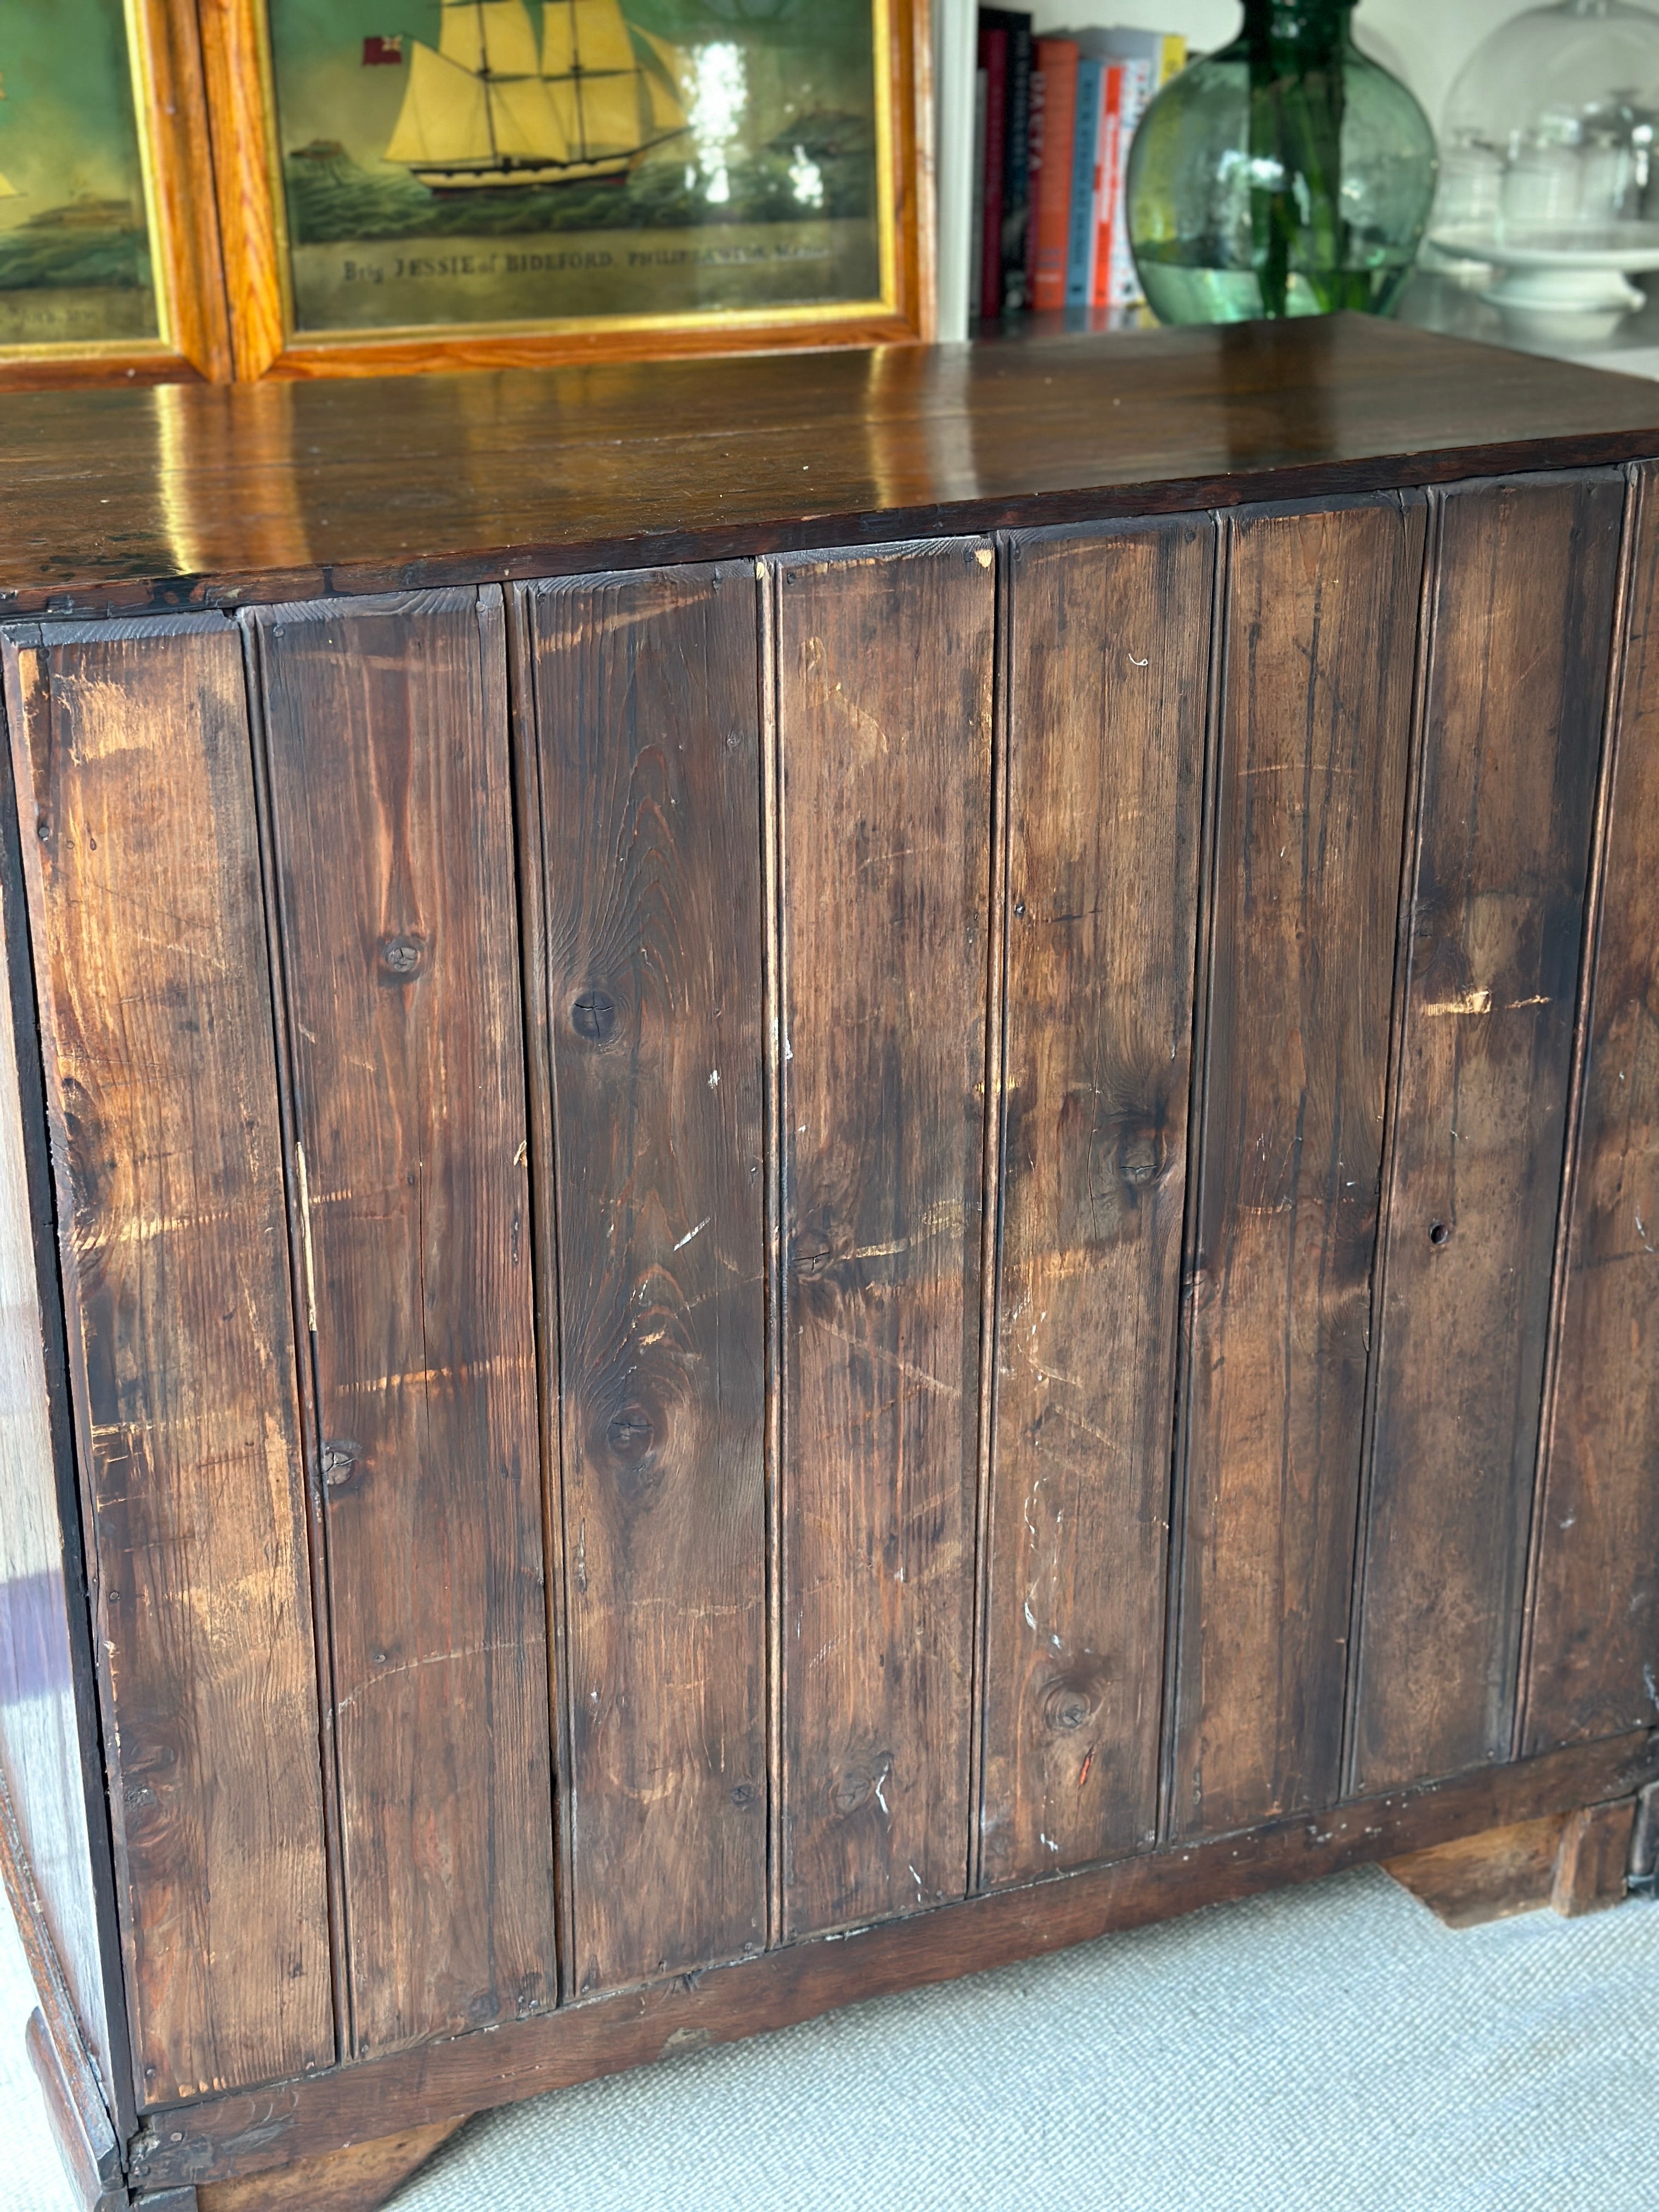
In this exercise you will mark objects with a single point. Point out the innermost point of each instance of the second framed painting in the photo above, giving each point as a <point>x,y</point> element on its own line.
<point>404,183</point>
<point>109,252</point>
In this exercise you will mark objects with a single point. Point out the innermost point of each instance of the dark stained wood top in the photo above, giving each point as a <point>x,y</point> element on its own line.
<point>207,495</point>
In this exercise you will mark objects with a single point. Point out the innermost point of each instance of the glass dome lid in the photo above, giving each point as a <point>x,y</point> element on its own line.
<point>1551,124</point>
<point>1549,171</point>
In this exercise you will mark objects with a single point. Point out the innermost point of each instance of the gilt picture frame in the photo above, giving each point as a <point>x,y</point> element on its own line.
<point>109,268</point>
<point>524,182</point>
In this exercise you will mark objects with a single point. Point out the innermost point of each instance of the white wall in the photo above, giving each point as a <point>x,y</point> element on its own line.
<point>955,24</point>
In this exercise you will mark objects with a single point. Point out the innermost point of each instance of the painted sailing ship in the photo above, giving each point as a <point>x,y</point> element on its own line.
<point>487,109</point>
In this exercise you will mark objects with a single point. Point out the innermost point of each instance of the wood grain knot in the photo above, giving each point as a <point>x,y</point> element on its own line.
<point>812,1259</point>
<point>1141,1159</point>
<point>1066,1707</point>
<point>91,1164</point>
<point>854,1787</point>
<point>1135,1145</point>
<point>630,1435</point>
<point>593,1016</point>
<point>402,956</point>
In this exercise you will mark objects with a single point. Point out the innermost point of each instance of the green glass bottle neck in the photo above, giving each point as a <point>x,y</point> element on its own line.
<point>1308,27</point>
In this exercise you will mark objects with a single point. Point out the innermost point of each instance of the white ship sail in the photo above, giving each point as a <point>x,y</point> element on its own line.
<point>488,107</point>
<point>585,34</point>
<point>445,115</point>
<point>489,35</point>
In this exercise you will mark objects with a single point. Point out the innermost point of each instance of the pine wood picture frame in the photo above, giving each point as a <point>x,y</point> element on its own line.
<point>193,338</point>
<point>237,60</point>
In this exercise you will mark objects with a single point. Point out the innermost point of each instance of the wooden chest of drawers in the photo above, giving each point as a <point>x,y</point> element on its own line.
<point>810,1171</point>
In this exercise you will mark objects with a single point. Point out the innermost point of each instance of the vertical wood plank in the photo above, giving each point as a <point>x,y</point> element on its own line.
<point>772,912</point>
<point>1109,685</point>
<point>647,711</point>
<point>884,687</point>
<point>1595,1657</point>
<point>391,817</point>
<point>1522,621</point>
<point>538,1071</point>
<point>150,950</point>
<point>1320,663</point>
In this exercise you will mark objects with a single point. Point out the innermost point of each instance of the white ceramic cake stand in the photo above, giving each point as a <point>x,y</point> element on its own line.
<point>1560,288</point>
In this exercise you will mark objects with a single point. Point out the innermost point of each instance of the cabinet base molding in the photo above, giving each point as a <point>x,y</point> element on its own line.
<point>1577,1864</point>
<point>360,2179</point>
<point>81,2123</point>
<point>1644,1873</point>
<point>1556,1828</point>
<point>85,2142</point>
<point>1594,1857</point>
<point>218,2138</point>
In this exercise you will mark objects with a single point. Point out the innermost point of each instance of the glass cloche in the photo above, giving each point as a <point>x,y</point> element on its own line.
<point>1547,172</point>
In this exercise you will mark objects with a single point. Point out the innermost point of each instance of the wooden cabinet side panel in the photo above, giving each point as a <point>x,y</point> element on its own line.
<point>1595,1660</point>
<point>1317,710</point>
<point>133,740</point>
<point>1109,683</point>
<point>885,690</point>
<point>386,729</point>
<point>1521,617</point>
<point>49,1753</point>
<point>647,718</point>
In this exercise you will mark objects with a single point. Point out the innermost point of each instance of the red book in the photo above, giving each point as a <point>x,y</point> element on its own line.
<point>1108,162</point>
<point>993,60</point>
<point>384,53</point>
<point>1035,125</point>
<point>1051,183</point>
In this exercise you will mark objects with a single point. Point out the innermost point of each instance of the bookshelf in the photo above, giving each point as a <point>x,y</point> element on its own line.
<point>1426,42</point>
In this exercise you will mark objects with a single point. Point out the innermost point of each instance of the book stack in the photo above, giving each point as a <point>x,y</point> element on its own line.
<point>1053,116</point>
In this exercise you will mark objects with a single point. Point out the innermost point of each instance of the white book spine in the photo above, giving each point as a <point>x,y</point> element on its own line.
<point>1124,285</point>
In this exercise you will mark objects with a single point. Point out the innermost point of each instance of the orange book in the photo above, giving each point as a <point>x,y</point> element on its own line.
<point>1051,187</point>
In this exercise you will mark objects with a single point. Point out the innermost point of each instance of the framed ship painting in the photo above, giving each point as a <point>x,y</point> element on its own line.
<point>108,247</point>
<point>534,180</point>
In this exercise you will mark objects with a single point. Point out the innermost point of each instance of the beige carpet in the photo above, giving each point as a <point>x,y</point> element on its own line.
<point>1330,2048</point>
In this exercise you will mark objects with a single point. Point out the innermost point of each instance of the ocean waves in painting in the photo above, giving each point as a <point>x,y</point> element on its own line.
<point>332,197</point>
<point>68,254</point>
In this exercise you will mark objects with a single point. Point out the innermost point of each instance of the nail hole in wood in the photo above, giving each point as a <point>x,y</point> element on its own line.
<point>400,956</point>
<point>340,1457</point>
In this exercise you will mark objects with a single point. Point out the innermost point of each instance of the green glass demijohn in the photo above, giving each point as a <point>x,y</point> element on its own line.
<point>1285,174</point>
